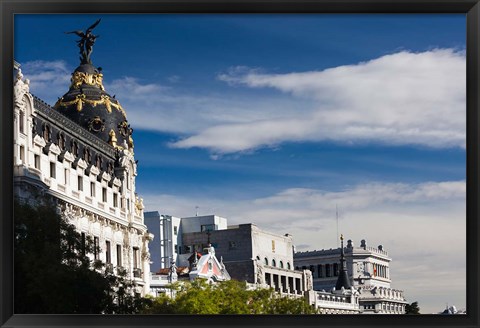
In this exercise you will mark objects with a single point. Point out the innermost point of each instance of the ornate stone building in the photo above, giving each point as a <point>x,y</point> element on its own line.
<point>368,272</point>
<point>80,151</point>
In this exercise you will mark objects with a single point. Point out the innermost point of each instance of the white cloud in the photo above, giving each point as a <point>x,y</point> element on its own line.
<point>48,79</point>
<point>399,99</point>
<point>402,98</point>
<point>422,226</point>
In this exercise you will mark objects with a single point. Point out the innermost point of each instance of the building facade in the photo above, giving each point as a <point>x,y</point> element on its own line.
<point>369,273</point>
<point>80,153</point>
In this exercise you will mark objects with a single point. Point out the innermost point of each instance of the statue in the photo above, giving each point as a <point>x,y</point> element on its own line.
<point>260,277</point>
<point>86,42</point>
<point>20,88</point>
<point>173,272</point>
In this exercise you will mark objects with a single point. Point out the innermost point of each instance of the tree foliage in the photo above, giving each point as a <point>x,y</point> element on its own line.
<point>53,273</point>
<point>229,297</point>
<point>412,308</point>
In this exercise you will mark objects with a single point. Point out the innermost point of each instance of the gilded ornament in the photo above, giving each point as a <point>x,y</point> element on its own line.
<point>130,142</point>
<point>79,78</point>
<point>113,138</point>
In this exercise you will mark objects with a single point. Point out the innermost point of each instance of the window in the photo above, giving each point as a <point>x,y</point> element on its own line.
<point>289,267</point>
<point>37,161</point>
<point>175,230</point>
<point>86,155</point>
<point>175,248</point>
<point>335,269</point>
<point>327,270</point>
<point>61,141</point>
<point>92,189</point>
<point>22,153</point>
<point>207,227</point>
<point>265,260</point>
<point>115,200</point>
<point>95,248</point>
<point>66,176</point>
<point>21,121</point>
<point>74,148</point>
<point>274,263</point>
<point>104,194</point>
<point>46,133</point>
<point>80,183</point>
<point>98,162</point>
<point>135,256</point>
<point>320,271</point>
<point>281,264</point>
<point>108,254</point>
<point>52,170</point>
<point>119,255</point>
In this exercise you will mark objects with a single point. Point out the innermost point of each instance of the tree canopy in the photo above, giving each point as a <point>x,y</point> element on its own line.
<point>229,297</point>
<point>412,308</point>
<point>53,273</point>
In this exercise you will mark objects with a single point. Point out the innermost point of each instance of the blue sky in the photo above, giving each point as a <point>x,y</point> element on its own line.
<point>276,119</point>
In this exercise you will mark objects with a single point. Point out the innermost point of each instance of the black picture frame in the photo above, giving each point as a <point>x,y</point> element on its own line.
<point>471,8</point>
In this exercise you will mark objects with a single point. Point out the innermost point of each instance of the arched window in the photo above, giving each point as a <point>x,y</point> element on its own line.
<point>61,141</point>
<point>98,162</point>
<point>86,155</point>
<point>265,260</point>
<point>74,148</point>
<point>274,263</point>
<point>46,133</point>
<point>281,264</point>
<point>21,121</point>
<point>289,267</point>
<point>258,258</point>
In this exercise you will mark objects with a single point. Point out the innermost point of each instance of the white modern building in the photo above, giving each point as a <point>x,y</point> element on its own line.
<point>80,153</point>
<point>168,247</point>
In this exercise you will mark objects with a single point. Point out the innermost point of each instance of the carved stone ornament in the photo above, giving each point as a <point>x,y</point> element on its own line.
<point>96,124</point>
<point>20,88</point>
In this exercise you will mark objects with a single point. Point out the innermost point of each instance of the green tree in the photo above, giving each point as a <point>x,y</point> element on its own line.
<point>412,308</point>
<point>229,297</point>
<point>53,273</point>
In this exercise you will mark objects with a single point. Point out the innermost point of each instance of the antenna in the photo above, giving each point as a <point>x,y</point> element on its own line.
<point>196,210</point>
<point>336,215</point>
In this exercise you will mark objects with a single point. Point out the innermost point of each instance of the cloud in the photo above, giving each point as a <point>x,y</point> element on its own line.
<point>47,78</point>
<point>401,99</point>
<point>422,226</point>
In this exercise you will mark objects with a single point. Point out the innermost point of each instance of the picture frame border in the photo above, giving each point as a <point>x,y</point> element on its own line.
<point>9,8</point>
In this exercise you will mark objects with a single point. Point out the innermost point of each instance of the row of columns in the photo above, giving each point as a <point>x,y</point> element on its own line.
<point>284,284</point>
